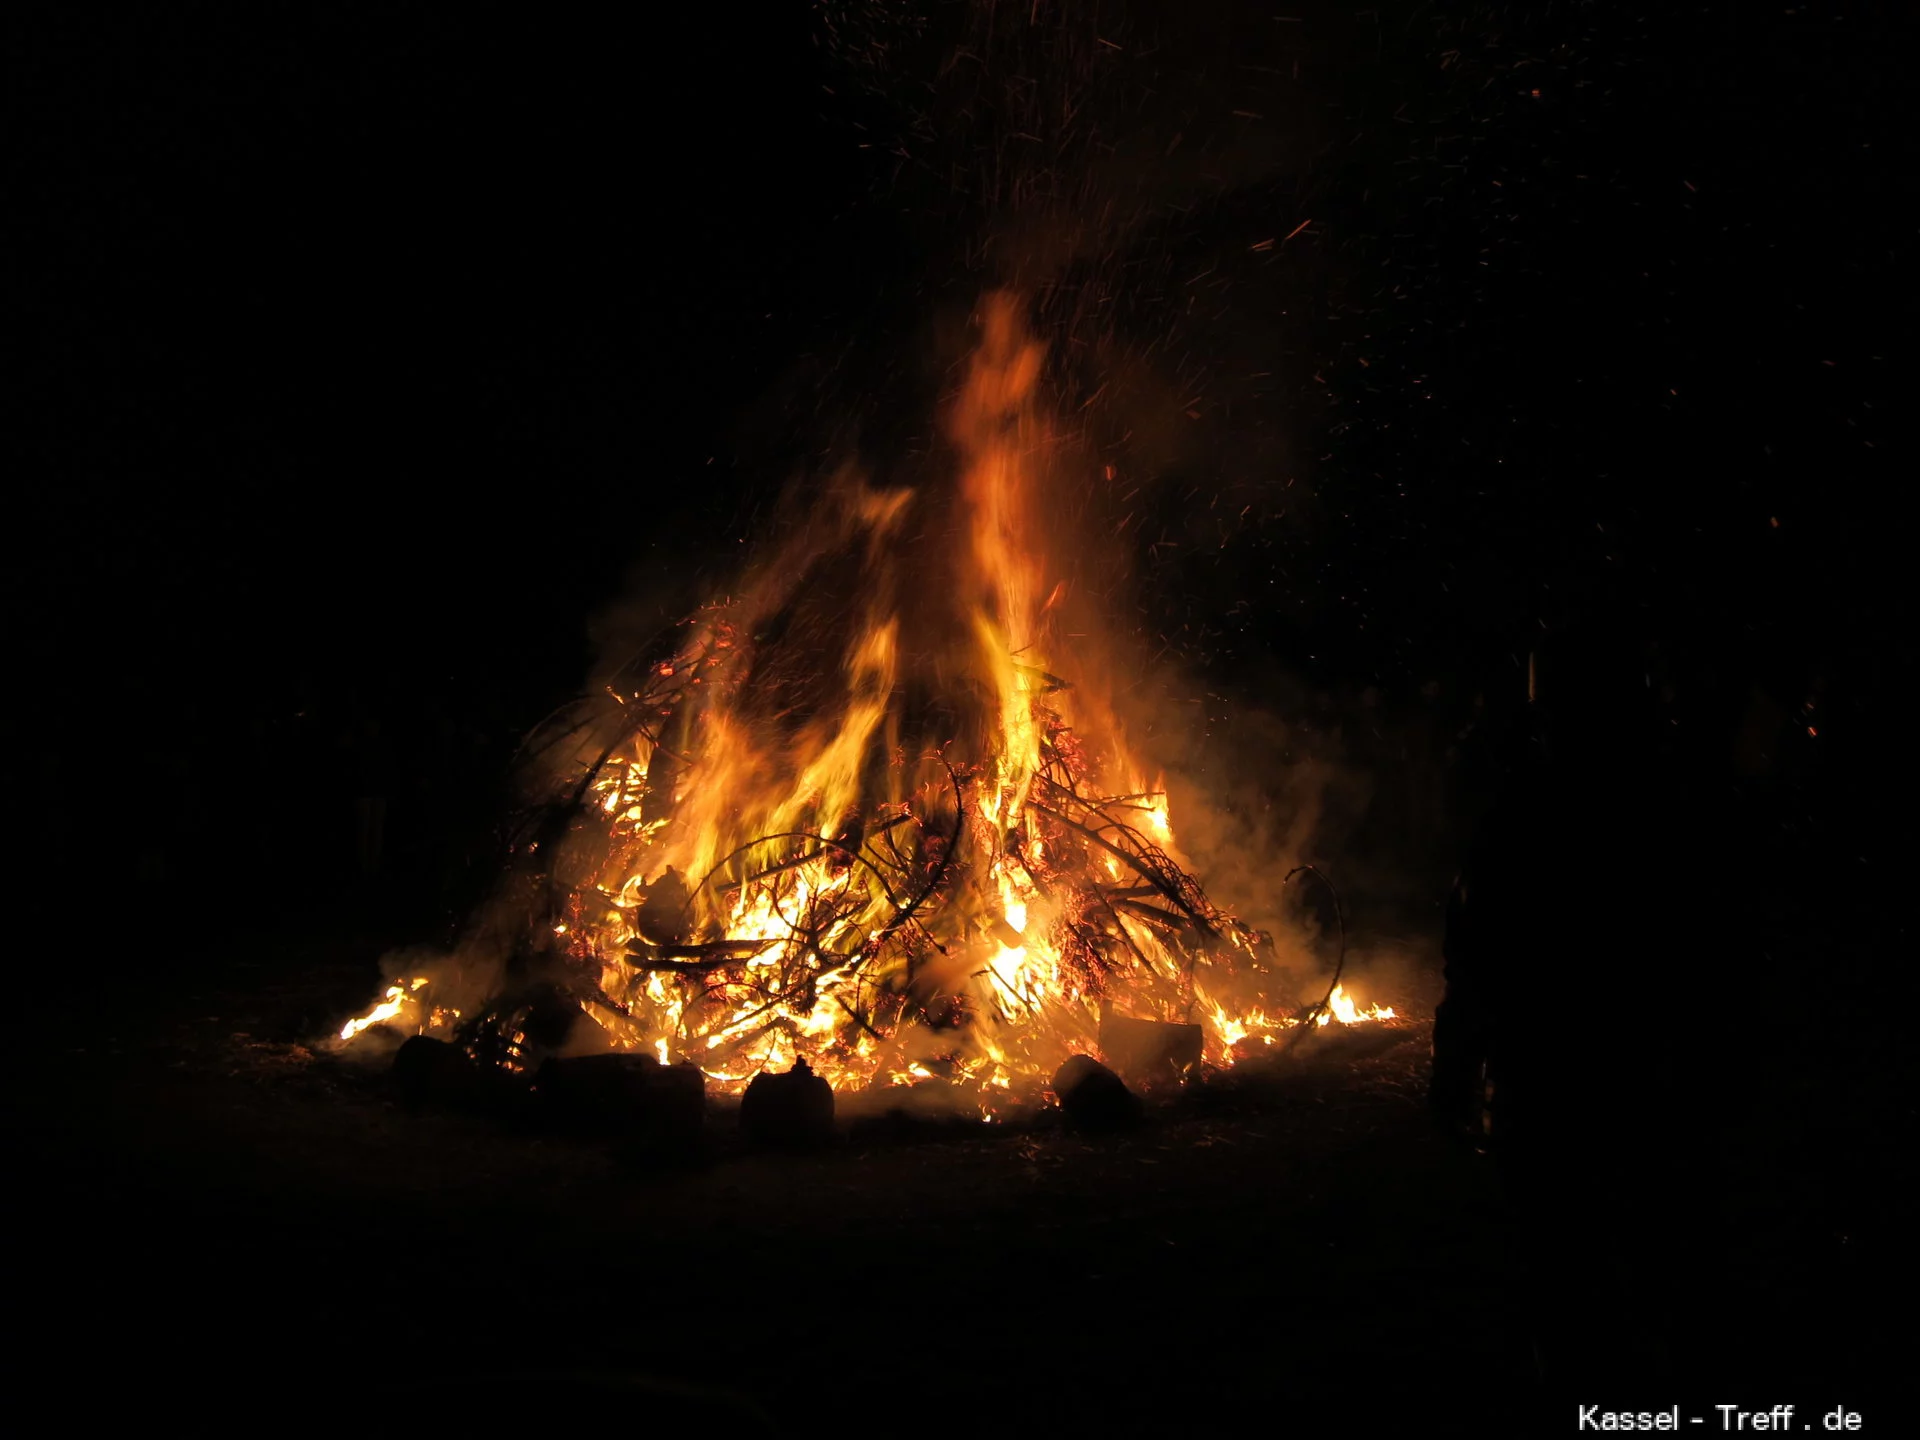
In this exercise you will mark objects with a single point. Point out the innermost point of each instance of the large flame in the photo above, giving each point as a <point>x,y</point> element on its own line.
<point>878,812</point>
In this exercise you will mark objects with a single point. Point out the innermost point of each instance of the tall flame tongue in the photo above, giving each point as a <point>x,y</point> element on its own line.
<point>877,813</point>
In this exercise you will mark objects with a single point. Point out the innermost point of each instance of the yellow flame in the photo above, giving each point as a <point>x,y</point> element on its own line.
<point>780,785</point>
<point>399,1000</point>
<point>1341,1007</point>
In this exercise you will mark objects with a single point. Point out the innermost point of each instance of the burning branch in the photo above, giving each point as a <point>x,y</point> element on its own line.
<point>857,924</point>
<point>1142,865</point>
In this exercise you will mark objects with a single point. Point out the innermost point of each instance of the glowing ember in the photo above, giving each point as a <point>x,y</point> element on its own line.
<point>880,812</point>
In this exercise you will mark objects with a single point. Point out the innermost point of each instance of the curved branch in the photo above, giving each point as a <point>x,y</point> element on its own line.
<point>939,876</point>
<point>686,910</point>
<point>1311,1019</point>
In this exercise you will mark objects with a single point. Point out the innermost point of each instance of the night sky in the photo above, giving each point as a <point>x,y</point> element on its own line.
<point>369,353</point>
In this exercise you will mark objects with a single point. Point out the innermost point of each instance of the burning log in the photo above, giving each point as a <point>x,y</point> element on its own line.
<point>1093,1097</point>
<point>1150,1051</point>
<point>633,1096</point>
<point>790,1111</point>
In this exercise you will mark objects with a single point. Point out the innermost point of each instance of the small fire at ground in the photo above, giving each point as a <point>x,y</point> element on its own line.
<point>878,813</point>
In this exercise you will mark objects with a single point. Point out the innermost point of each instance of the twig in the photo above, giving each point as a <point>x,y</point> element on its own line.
<point>940,871</point>
<point>798,860</point>
<point>1152,914</point>
<point>686,910</point>
<point>859,1020</point>
<point>1139,866</point>
<point>1127,935</point>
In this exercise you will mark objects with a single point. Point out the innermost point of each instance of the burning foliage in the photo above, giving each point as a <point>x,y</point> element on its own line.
<point>877,814</point>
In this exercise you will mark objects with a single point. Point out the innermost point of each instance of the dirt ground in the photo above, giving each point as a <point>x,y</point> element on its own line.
<point>221,1213</point>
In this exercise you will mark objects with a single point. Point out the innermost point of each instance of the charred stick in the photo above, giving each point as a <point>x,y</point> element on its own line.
<point>893,854</point>
<point>714,949</point>
<point>598,996</point>
<point>799,860</point>
<point>694,959</point>
<point>1128,832</point>
<point>819,840</point>
<point>1065,787</point>
<point>1134,862</point>
<point>639,655</point>
<point>857,1019</point>
<point>778,999</point>
<point>1153,914</point>
<point>1049,683</point>
<point>1096,941</point>
<point>1126,935</point>
<point>527,740</point>
<point>939,873</point>
<point>727,1049</point>
<point>656,743</point>
<point>1017,848</point>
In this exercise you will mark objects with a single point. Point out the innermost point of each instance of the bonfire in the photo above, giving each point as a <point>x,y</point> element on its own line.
<point>878,812</point>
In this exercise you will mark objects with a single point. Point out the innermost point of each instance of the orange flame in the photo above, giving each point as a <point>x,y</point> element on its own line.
<point>877,813</point>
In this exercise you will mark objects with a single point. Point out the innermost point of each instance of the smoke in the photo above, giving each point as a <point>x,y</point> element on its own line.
<point>1278,773</point>
<point>456,984</point>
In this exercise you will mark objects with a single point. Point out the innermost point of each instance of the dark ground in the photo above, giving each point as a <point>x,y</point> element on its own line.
<point>217,1208</point>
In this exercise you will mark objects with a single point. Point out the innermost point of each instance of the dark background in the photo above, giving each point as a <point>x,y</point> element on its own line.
<point>370,352</point>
